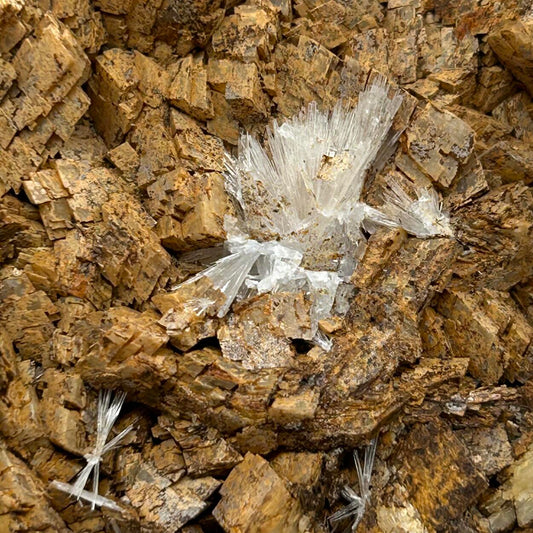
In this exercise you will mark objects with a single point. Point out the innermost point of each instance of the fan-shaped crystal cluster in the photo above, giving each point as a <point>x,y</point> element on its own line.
<point>356,506</point>
<point>298,202</point>
<point>108,412</point>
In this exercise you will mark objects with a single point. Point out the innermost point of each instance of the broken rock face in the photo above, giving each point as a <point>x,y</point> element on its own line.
<point>245,338</point>
<point>446,470</point>
<point>134,154</point>
<point>438,142</point>
<point>270,506</point>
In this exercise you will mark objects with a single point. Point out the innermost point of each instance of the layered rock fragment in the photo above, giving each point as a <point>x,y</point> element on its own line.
<point>512,44</point>
<point>439,142</point>
<point>496,240</point>
<point>269,506</point>
<point>441,479</point>
<point>23,498</point>
<point>249,35</point>
<point>46,101</point>
<point>306,73</point>
<point>27,315</point>
<point>499,335</point>
<point>115,100</point>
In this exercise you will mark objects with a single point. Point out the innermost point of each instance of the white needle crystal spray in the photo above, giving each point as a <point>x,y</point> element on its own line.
<point>298,201</point>
<point>108,412</point>
<point>355,509</point>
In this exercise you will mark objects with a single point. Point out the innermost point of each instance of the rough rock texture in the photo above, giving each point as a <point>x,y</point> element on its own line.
<point>255,498</point>
<point>512,44</point>
<point>115,116</point>
<point>434,457</point>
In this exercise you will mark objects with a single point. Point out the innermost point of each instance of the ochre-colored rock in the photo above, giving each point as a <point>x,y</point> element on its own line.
<point>267,507</point>
<point>512,43</point>
<point>116,120</point>
<point>436,470</point>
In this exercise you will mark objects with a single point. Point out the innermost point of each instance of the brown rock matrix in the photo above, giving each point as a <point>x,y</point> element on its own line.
<point>116,121</point>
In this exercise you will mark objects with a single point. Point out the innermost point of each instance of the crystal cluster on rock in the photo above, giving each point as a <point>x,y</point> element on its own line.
<point>115,117</point>
<point>108,412</point>
<point>299,209</point>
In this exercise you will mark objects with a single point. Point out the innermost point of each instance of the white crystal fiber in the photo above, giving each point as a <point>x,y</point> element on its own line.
<point>91,497</point>
<point>298,201</point>
<point>108,412</point>
<point>355,509</point>
<point>423,217</point>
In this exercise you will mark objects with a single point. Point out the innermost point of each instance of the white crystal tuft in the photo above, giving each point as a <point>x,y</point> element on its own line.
<point>298,202</point>
<point>108,412</point>
<point>355,509</point>
<point>311,170</point>
<point>422,217</point>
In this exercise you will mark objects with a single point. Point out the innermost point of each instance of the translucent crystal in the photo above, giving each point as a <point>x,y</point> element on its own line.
<point>298,203</point>
<point>355,509</point>
<point>322,289</point>
<point>422,217</point>
<point>91,497</point>
<point>312,165</point>
<point>108,411</point>
<point>322,340</point>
